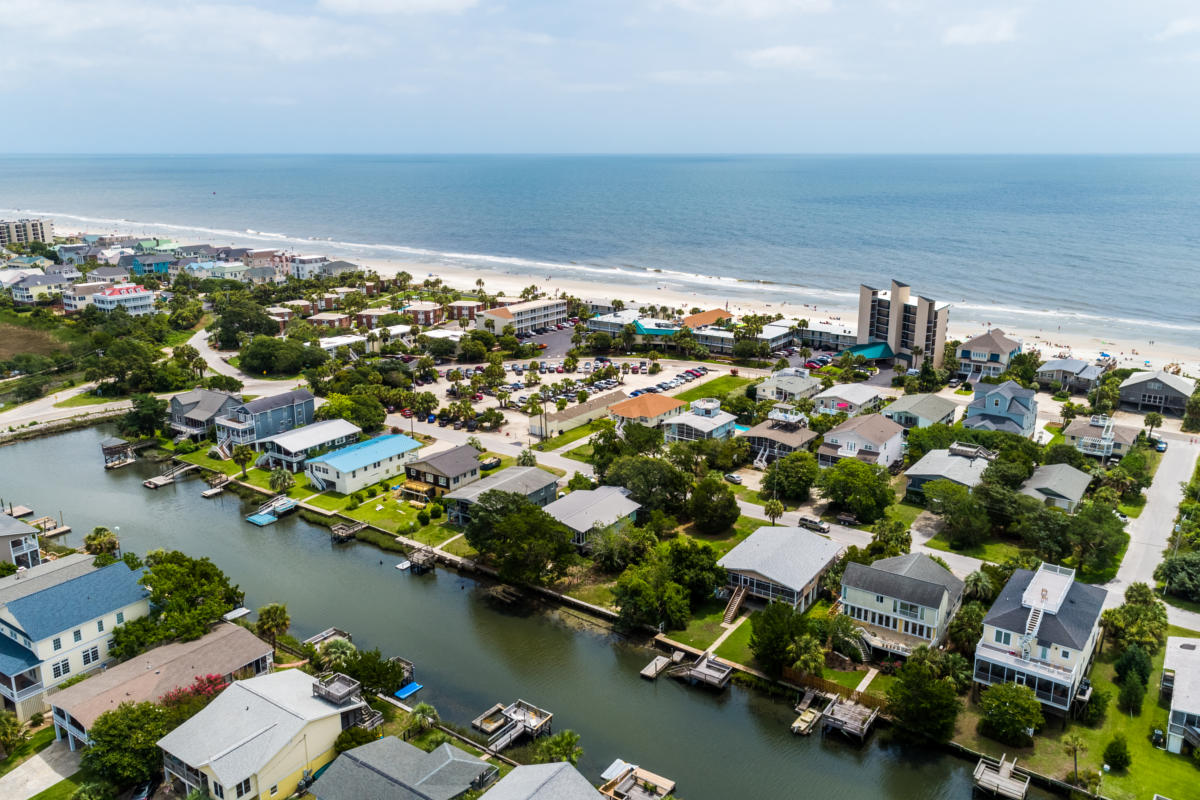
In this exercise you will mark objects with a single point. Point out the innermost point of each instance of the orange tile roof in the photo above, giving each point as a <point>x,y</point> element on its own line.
<point>706,318</point>
<point>500,312</point>
<point>646,405</point>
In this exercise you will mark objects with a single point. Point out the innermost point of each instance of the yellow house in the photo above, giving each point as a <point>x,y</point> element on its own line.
<point>901,602</point>
<point>262,735</point>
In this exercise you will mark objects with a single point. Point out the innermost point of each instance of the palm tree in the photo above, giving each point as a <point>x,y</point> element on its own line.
<point>1074,744</point>
<point>243,454</point>
<point>337,653</point>
<point>773,509</point>
<point>1153,420</point>
<point>273,622</point>
<point>807,655</point>
<point>101,541</point>
<point>425,715</point>
<point>561,747</point>
<point>281,480</point>
<point>978,585</point>
<point>526,459</point>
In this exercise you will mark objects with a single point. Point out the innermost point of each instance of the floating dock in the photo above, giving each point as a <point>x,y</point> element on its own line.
<point>18,511</point>
<point>707,670</point>
<point>49,527</point>
<point>270,511</point>
<point>1001,779</point>
<point>506,724</point>
<point>168,477</point>
<point>655,667</point>
<point>626,781</point>
<point>217,486</point>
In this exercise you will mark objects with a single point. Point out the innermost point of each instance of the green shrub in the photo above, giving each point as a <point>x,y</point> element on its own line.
<point>359,497</point>
<point>1134,662</point>
<point>352,504</point>
<point>1131,695</point>
<point>372,491</point>
<point>1116,754</point>
<point>36,720</point>
<point>1096,709</point>
<point>423,518</point>
<point>435,511</point>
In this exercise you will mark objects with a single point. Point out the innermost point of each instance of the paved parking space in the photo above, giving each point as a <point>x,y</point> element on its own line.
<point>40,772</point>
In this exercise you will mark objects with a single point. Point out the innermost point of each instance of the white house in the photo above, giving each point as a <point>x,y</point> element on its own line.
<point>849,399</point>
<point>134,298</point>
<point>1181,683</point>
<point>872,438</point>
<point>355,467</point>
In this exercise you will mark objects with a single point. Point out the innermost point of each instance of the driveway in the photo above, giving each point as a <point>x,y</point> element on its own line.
<point>40,772</point>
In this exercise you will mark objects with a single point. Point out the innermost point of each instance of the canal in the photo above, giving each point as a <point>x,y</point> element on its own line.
<point>470,653</point>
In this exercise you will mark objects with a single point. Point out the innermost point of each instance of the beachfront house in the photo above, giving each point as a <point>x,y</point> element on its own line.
<point>134,298</point>
<point>782,433</point>
<point>261,735</point>
<point>391,769</point>
<point>849,399</point>
<point>56,621</point>
<point>1005,407</point>
<point>1099,435</point>
<point>1157,391</point>
<point>558,781</point>
<point>257,419</point>
<point>18,542</point>
<point>332,269</point>
<point>291,449</point>
<point>901,602</point>
<point>553,423</point>
<point>872,438</point>
<point>195,413</point>
<point>1041,632</point>
<point>921,411</point>
<point>961,463</point>
<point>987,355</point>
<point>33,288</point>
<point>151,264</point>
<point>587,512</point>
<point>788,385</point>
<point>357,466</point>
<point>79,296</point>
<point>648,410</point>
<point>533,483</point>
<point>1072,374</point>
<point>901,323</point>
<point>781,563</point>
<point>438,473</point>
<point>704,420</point>
<point>1180,683</point>
<point>228,650</point>
<point>1057,485</point>
<point>525,316</point>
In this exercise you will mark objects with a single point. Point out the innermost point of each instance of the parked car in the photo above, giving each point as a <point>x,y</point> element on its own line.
<point>734,479</point>
<point>443,422</point>
<point>1161,445</point>
<point>458,424</point>
<point>432,419</point>
<point>406,412</point>
<point>954,382</point>
<point>812,523</point>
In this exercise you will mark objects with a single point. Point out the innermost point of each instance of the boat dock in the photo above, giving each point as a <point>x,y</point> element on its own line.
<point>216,485</point>
<point>18,511</point>
<point>345,531</point>
<point>505,724</point>
<point>49,526</point>
<point>850,718</point>
<point>422,559</point>
<point>327,635</point>
<point>169,477</point>
<point>1001,779</point>
<point>270,511</point>
<point>625,781</point>
<point>660,663</point>
<point>707,670</point>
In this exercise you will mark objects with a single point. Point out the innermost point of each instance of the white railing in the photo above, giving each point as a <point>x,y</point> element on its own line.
<point>1014,659</point>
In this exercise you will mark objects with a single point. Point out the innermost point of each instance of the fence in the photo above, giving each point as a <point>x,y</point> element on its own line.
<point>820,684</point>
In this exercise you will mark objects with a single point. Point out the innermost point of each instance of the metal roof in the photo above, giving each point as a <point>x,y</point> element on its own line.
<point>585,509</point>
<point>522,480</point>
<point>313,435</point>
<point>1183,657</point>
<point>359,455</point>
<point>790,557</point>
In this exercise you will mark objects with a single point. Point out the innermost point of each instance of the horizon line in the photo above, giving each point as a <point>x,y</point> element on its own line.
<point>610,154</point>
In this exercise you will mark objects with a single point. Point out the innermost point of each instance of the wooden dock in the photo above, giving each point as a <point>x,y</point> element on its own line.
<point>1001,779</point>
<point>849,718</point>
<point>707,670</point>
<point>18,511</point>
<point>655,667</point>
<point>345,531</point>
<point>49,527</point>
<point>168,477</point>
<point>422,559</point>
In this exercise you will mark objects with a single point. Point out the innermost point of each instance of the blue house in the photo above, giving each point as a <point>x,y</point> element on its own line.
<point>151,264</point>
<point>1005,407</point>
<point>250,423</point>
<point>359,465</point>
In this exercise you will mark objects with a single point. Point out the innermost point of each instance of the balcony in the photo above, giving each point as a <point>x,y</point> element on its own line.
<point>337,688</point>
<point>25,691</point>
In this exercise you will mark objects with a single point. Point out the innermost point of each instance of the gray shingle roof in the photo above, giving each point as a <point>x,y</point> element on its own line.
<point>925,406</point>
<point>994,341</point>
<point>11,526</point>
<point>68,603</point>
<point>1057,480</point>
<point>990,422</point>
<point>1019,398</point>
<point>1070,627</point>
<point>1072,365</point>
<point>1185,386</point>
<point>1083,427</point>
<point>938,464</point>
<point>914,578</point>
<point>203,404</point>
<point>543,782</point>
<point>874,428</point>
<point>390,769</point>
<point>585,509</point>
<point>261,404</point>
<point>790,557</point>
<point>522,480</point>
<point>452,463</point>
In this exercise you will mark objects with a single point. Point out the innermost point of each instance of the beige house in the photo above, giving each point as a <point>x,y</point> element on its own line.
<point>553,423</point>
<point>1100,436</point>
<point>650,409</point>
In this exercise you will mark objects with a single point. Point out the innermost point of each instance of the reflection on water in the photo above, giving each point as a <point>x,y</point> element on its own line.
<point>471,652</point>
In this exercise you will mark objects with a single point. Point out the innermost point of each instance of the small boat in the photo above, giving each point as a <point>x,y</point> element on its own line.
<point>805,722</point>
<point>404,565</point>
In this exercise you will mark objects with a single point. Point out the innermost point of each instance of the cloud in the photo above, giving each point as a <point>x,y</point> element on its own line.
<point>398,6</point>
<point>992,28</point>
<point>785,56</point>
<point>1179,27</point>
<point>754,9</point>
<point>692,77</point>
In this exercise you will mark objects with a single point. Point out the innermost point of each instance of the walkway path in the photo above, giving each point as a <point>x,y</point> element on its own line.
<point>40,772</point>
<point>733,626</point>
<point>866,681</point>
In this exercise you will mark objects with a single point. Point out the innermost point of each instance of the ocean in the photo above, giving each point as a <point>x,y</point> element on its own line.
<point>1107,245</point>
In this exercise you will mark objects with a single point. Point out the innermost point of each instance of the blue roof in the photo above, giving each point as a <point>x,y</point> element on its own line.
<point>73,602</point>
<point>14,658</point>
<point>357,456</point>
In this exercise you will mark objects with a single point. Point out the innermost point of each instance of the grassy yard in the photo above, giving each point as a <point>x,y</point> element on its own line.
<point>64,789</point>
<point>717,387</point>
<point>201,457</point>
<point>462,549</point>
<point>1152,770</point>
<point>86,399</point>
<point>752,496</point>
<point>36,743</point>
<point>905,512</point>
<point>564,439</point>
<point>992,550</point>
<point>847,679</point>
<point>737,647</point>
<point>724,542</point>
<point>1133,509</point>
<point>583,453</point>
<point>1055,431</point>
<point>705,626</point>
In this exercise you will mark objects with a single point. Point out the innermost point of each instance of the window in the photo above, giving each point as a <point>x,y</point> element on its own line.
<point>243,788</point>
<point>78,635</point>
<point>878,598</point>
<point>120,617</point>
<point>1003,637</point>
<point>1066,654</point>
<point>57,643</point>
<point>61,668</point>
<point>91,655</point>
<point>100,625</point>
<point>219,790</point>
<point>274,790</point>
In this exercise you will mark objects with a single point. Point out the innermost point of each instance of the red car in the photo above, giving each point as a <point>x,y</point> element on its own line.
<point>406,412</point>
<point>477,397</point>
<point>812,365</point>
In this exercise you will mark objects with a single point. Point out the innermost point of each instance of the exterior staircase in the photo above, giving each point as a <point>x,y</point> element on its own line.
<point>735,604</point>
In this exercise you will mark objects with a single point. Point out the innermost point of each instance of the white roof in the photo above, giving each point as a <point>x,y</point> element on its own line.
<point>1183,656</point>
<point>314,434</point>
<point>585,509</point>
<point>790,557</point>
<point>438,333</point>
<point>701,422</point>
<point>249,723</point>
<point>854,393</point>
<point>334,342</point>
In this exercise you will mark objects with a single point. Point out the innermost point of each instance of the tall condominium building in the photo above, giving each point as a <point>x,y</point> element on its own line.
<point>902,322</point>
<point>23,231</point>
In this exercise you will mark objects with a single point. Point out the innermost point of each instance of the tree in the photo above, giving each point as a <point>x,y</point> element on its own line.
<point>1180,575</point>
<point>1116,752</point>
<point>773,632</point>
<point>1133,664</point>
<point>773,509</point>
<point>281,480</point>
<point>425,716</point>
<point>148,415</point>
<point>338,654</point>
<point>125,743</point>
<point>187,595</point>
<point>807,655</point>
<point>526,458</point>
<point>352,738</point>
<point>273,622</point>
<point>1097,535</point>
<point>526,544</point>
<point>1008,712</point>
<point>792,476</point>
<point>713,506</point>
<point>966,627</point>
<point>561,747</point>
<point>101,541</point>
<point>978,586</point>
<point>1074,744</point>
<point>860,488</point>
<point>653,483</point>
<point>1152,420</point>
<point>242,455</point>
<point>1129,698</point>
<point>923,703</point>
<point>643,440</point>
<point>12,732</point>
<point>363,410</point>
<point>965,517</point>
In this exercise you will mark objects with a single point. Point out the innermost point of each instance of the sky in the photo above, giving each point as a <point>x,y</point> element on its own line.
<point>590,76</point>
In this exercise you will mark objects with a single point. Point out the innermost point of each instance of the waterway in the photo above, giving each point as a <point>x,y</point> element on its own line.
<point>470,653</point>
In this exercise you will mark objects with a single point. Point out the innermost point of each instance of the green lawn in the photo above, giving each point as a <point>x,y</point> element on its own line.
<point>563,439</point>
<point>583,453</point>
<point>505,462</point>
<point>705,626</point>
<point>880,684</point>
<point>1055,431</point>
<point>86,399</point>
<point>598,594</point>
<point>262,479</point>
<point>330,501</point>
<point>1152,771</point>
<point>460,548</point>
<point>905,512</point>
<point>399,517</point>
<point>737,647</point>
<point>34,744</point>
<point>724,542</point>
<point>847,679</point>
<point>64,789</point>
<point>992,550</point>
<point>752,496</point>
<point>717,387</point>
<point>201,457</point>
<point>1133,509</point>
